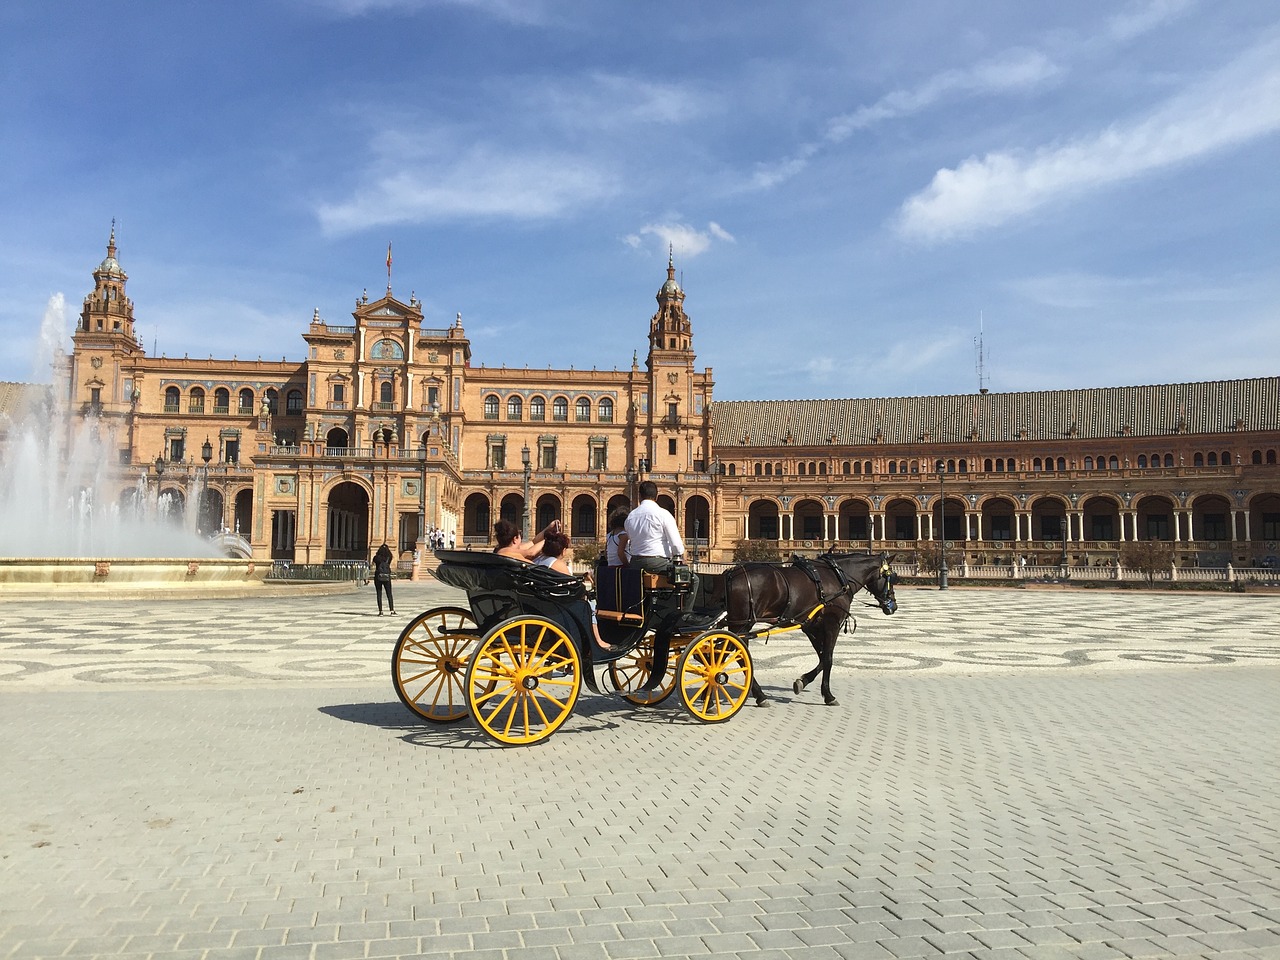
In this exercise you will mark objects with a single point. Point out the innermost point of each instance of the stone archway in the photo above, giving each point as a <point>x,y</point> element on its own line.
<point>347,527</point>
<point>808,521</point>
<point>855,521</point>
<point>583,522</point>
<point>477,518</point>
<point>549,510</point>
<point>697,520</point>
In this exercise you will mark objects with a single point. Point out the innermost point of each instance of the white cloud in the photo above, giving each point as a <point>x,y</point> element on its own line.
<point>1239,104</point>
<point>1089,291</point>
<point>683,239</point>
<point>480,184</point>
<point>1013,71</point>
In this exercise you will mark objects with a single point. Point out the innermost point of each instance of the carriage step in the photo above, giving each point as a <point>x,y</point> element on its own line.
<point>702,620</point>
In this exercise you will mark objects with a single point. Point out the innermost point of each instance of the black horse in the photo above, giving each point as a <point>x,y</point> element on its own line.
<point>814,594</point>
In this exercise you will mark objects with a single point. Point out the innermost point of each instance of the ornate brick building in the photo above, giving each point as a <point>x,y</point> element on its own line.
<point>387,428</point>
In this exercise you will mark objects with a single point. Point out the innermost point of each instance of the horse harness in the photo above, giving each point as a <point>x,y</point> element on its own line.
<point>813,570</point>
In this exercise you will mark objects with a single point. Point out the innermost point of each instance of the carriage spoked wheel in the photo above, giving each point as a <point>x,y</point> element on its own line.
<point>524,680</point>
<point>429,663</point>
<point>713,676</point>
<point>630,671</point>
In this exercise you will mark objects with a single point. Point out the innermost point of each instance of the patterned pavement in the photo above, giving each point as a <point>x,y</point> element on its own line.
<point>1011,775</point>
<point>56,643</point>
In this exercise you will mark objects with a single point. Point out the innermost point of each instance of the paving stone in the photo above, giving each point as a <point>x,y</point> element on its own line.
<point>982,796</point>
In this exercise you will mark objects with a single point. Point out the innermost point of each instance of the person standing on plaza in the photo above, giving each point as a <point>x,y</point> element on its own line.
<point>653,539</point>
<point>382,577</point>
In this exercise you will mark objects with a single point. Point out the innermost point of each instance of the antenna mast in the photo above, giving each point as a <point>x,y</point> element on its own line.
<point>980,352</point>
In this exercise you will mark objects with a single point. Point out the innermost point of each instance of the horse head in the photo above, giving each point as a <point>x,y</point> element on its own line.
<point>879,584</point>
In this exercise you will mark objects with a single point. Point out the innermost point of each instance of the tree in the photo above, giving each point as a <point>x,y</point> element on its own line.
<point>1147,557</point>
<point>929,556</point>
<point>760,551</point>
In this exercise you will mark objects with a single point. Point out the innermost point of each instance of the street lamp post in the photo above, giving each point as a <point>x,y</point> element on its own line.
<point>528,466</point>
<point>942,520</point>
<point>202,488</point>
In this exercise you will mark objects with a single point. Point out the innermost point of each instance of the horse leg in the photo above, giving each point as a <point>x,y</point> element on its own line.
<point>807,678</point>
<point>828,656</point>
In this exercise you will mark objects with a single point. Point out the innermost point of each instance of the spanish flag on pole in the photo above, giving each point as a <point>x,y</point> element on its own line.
<point>388,263</point>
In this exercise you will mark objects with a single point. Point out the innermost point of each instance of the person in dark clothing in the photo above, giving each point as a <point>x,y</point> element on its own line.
<point>382,577</point>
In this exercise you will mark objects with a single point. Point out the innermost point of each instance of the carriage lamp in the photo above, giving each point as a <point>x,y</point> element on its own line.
<point>206,451</point>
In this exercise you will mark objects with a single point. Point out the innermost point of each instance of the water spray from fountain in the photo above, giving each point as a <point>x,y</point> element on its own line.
<point>59,481</point>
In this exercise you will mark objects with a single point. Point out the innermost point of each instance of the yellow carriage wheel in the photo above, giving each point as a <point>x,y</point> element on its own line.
<point>429,663</point>
<point>523,680</point>
<point>713,676</point>
<point>630,671</point>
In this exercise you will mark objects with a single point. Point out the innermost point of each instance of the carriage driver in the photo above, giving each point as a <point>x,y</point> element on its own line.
<point>653,540</point>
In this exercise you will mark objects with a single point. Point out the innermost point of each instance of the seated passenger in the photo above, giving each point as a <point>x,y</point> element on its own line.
<point>511,542</point>
<point>554,544</point>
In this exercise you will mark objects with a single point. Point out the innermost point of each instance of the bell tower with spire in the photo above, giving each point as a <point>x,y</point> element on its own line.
<point>679,398</point>
<point>104,343</point>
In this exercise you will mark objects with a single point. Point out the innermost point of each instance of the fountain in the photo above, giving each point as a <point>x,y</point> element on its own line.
<point>61,523</point>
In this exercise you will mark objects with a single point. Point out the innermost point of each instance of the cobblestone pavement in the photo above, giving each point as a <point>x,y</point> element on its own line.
<point>1011,774</point>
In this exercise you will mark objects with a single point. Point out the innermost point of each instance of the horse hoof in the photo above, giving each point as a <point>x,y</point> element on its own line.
<point>798,687</point>
<point>833,702</point>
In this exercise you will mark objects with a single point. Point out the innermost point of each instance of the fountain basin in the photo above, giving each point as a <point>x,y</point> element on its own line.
<point>75,578</point>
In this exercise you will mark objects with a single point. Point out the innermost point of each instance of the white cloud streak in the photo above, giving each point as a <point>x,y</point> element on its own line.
<point>1145,17</point>
<point>1013,71</point>
<point>1239,104</point>
<point>528,12</point>
<point>482,184</point>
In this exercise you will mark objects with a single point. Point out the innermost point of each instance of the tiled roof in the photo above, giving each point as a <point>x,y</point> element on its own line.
<point>1211,407</point>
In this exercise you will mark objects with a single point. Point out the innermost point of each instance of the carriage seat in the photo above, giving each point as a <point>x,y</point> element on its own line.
<point>620,594</point>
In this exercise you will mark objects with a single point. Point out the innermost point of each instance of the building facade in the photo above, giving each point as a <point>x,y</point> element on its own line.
<point>387,428</point>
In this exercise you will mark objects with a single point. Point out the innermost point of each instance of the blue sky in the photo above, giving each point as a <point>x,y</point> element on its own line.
<point>848,188</point>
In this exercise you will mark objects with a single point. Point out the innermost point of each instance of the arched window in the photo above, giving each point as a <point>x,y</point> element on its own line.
<point>172,397</point>
<point>606,410</point>
<point>1226,458</point>
<point>293,402</point>
<point>822,469</point>
<point>1113,463</point>
<point>1271,456</point>
<point>385,392</point>
<point>582,410</point>
<point>986,465</point>
<point>222,400</point>
<point>768,469</point>
<point>515,408</point>
<point>1036,465</point>
<point>491,407</point>
<point>560,409</point>
<point>1062,463</point>
<point>246,400</point>
<point>866,467</point>
<point>537,409</point>
<point>1168,459</point>
<point>1213,459</point>
<point>759,470</point>
<point>999,464</point>
<point>846,468</point>
<point>893,466</point>
<point>1088,463</point>
<point>963,466</point>
<point>733,469</point>
<point>1142,461</point>
<point>196,400</point>
<point>1198,460</point>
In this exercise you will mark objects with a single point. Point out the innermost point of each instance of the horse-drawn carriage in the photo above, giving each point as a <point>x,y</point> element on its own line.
<point>516,658</point>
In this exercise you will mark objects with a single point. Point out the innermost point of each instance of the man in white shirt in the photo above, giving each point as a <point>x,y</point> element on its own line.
<point>653,539</point>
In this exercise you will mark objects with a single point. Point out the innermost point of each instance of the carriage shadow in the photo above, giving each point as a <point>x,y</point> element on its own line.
<point>590,715</point>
